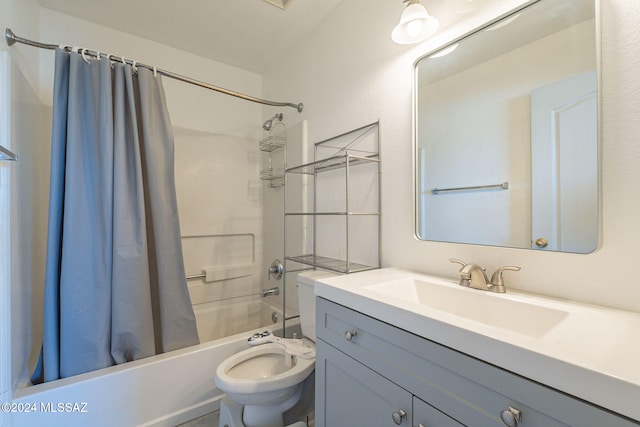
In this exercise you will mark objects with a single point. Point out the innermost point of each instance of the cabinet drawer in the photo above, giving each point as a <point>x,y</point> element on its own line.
<point>425,415</point>
<point>471,391</point>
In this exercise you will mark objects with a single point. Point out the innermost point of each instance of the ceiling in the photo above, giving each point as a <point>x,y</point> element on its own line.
<point>243,33</point>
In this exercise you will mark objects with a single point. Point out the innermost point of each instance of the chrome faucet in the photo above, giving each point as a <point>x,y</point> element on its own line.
<point>275,270</point>
<point>474,276</point>
<point>270,291</point>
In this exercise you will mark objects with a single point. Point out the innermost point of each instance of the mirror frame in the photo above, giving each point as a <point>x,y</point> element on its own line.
<point>414,114</point>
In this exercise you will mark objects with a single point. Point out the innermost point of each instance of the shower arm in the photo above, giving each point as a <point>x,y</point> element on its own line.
<point>11,39</point>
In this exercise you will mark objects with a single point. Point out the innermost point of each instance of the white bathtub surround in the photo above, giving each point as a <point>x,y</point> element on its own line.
<point>232,224</point>
<point>221,229</point>
<point>583,350</point>
<point>219,319</point>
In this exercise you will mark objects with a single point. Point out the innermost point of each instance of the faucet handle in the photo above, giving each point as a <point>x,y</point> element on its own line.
<point>497,280</point>
<point>457,261</point>
<point>276,269</point>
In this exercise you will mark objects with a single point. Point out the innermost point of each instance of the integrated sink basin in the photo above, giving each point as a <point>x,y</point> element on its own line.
<point>505,311</point>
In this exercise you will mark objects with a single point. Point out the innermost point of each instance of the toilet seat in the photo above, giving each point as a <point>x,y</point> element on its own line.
<point>262,369</point>
<point>271,384</point>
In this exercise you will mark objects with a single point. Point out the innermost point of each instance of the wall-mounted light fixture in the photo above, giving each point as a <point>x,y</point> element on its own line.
<point>415,24</point>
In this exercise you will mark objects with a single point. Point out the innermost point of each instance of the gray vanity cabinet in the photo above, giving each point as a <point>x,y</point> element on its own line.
<point>370,373</point>
<point>357,395</point>
<point>371,399</point>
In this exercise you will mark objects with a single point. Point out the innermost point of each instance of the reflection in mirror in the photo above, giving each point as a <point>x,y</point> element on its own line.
<point>506,134</point>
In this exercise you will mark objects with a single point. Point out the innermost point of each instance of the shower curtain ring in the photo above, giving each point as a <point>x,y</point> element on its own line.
<point>109,57</point>
<point>82,53</point>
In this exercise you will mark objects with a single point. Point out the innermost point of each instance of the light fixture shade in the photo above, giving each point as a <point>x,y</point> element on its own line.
<point>415,25</point>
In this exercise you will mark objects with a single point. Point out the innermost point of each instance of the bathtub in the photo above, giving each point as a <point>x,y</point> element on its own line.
<point>163,390</point>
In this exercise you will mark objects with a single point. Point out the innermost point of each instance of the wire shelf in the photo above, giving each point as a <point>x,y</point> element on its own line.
<point>271,174</point>
<point>272,143</point>
<point>332,264</point>
<point>331,163</point>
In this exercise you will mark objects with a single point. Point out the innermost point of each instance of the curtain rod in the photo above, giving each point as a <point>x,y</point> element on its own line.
<point>11,38</point>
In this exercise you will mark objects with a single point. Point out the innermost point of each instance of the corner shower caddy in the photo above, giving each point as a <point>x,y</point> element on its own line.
<point>274,176</point>
<point>345,203</point>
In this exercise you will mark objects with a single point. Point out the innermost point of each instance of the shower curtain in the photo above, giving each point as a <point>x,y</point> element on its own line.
<point>115,287</point>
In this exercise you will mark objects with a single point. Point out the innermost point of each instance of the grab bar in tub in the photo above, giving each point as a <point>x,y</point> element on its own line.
<point>217,274</point>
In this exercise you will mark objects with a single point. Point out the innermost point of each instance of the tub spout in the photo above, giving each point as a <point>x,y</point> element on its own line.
<point>270,291</point>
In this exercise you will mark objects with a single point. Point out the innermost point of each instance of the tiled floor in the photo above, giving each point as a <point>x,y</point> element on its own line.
<point>209,420</point>
<point>213,419</point>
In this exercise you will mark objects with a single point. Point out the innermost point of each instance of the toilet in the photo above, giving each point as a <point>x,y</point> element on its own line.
<point>268,381</point>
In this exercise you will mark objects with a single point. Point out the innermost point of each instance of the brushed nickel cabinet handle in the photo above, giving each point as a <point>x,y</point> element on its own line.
<point>398,416</point>
<point>511,416</point>
<point>350,335</point>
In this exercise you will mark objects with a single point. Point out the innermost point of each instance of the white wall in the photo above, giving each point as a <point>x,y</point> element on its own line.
<point>29,208</point>
<point>22,205</point>
<point>22,18</point>
<point>190,107</point>
<point>350,73</point>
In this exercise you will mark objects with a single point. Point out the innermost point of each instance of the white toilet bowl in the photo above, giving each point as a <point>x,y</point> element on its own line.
<point>263,375</point>
<point>267,380</point>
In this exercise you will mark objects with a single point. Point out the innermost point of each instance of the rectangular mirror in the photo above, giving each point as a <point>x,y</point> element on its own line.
<point>506,133</point>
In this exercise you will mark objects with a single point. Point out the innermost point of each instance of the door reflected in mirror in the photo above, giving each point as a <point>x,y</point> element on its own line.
<point>506,137</point>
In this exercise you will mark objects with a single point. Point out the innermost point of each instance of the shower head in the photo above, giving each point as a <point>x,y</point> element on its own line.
<point>269,123</point>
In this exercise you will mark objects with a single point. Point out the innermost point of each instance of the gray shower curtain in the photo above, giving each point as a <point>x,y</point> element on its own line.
<point>115,287</point>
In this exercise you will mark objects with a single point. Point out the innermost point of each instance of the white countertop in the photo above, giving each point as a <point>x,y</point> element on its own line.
<point>593,354</point>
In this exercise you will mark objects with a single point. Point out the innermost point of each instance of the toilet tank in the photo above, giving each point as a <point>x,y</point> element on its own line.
<point>307,301</point>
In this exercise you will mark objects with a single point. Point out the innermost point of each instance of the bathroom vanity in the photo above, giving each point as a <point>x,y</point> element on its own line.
<point>394,359</point>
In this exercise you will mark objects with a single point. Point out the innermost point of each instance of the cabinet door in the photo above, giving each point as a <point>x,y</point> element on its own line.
<point>425,415</point>
<point>349,394</point>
